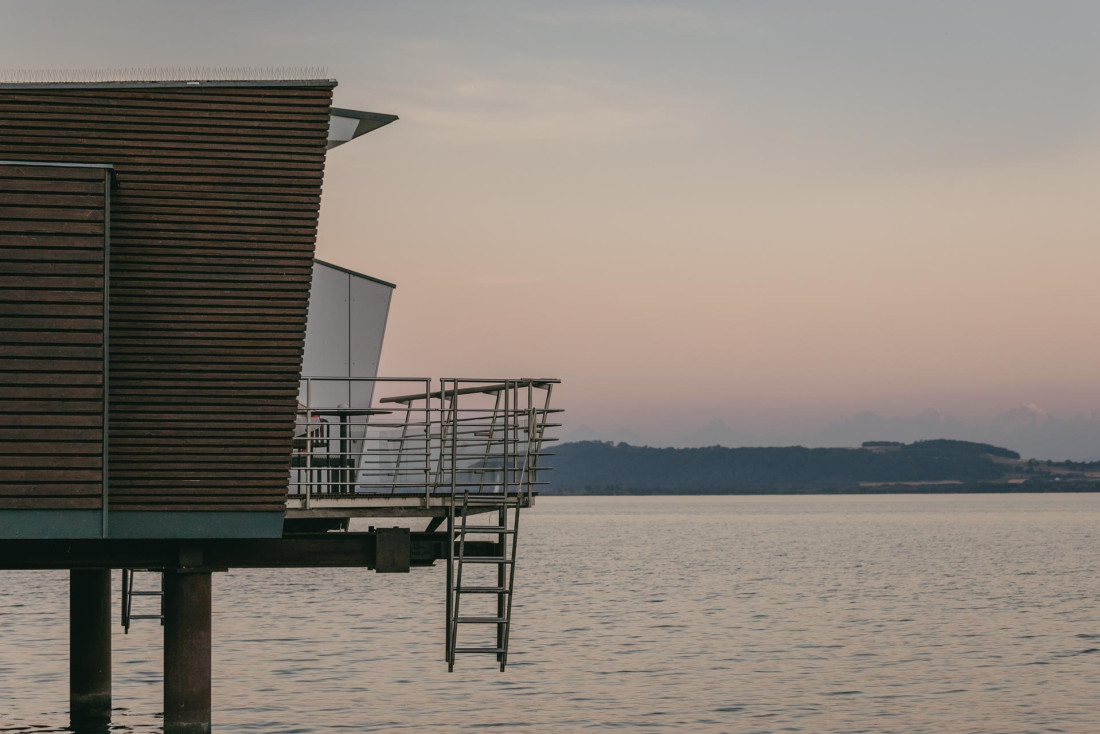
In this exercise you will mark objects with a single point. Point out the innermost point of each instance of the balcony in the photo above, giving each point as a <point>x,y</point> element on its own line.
<point>404,447</point>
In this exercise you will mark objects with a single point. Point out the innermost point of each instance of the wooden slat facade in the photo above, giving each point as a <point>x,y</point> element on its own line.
<point>53,246</point>
<point>212,229</point>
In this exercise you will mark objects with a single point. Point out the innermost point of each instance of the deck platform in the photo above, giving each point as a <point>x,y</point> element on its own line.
<point>385,504</point>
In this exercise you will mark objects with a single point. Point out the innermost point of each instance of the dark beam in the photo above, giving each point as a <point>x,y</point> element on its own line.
<point>296,551</point>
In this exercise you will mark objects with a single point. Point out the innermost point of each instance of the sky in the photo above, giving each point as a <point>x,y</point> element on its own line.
<point>717,222</point>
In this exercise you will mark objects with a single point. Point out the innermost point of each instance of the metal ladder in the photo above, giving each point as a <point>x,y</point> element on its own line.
<point>505,576</point>
<point>128,594</point>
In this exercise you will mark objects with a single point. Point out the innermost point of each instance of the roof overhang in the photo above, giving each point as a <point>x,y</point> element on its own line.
<point>357,274</point>
<point>345,125</point>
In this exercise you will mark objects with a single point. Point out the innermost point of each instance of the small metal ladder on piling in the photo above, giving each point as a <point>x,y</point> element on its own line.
<point>505,563</point>
<point>129,592</point>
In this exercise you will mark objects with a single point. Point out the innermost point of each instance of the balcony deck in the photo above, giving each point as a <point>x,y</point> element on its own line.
<point>371,447</point>
<point>384,504</point>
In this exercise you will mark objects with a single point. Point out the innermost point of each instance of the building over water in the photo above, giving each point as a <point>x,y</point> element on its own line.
<point>160,295</point>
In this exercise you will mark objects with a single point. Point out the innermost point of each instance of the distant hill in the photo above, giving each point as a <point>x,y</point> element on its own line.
<point>596,467</point>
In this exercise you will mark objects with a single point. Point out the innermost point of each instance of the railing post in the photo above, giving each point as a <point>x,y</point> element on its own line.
<point>401,447</point>
<point>507,420</point>
<point>428,442</point>
<point>454,436</point>
<point>309,441</point>
<point>487,454</point>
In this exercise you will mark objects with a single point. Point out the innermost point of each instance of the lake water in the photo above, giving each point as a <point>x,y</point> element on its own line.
<point>957,613</point>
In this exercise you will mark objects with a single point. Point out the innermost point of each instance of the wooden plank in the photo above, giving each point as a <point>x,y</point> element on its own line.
<point>48,267</point>
<point>48,351</point>
<point>46,422</point>
<point>240,106</point>
<point>154,193</point>
<point>23,226</point>
<point>52,474</point>
<point>39,497</point>
<point>54,433</point>
<point>23,392</point>
<point>283,122</point>
<point>40,323</point>
<point>62,242</point>
<point>11,211</point>
<point>199,506</point>
<point>233,485</point>
<point>65,284</point>
<point>306,94</point>
<point>53,468</point>
<point>29,171</point>
<point>10,185</point>
<point>88,140</point>
<point>52,337</point>
<point>46,406</point>
<point>36,489</point>
<point>90,366</point>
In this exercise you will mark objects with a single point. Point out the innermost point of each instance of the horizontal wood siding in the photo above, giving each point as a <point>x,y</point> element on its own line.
<point>53,223</point>
<point>213,228</point>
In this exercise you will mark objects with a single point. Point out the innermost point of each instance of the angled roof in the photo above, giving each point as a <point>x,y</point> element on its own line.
<point>352,272</point>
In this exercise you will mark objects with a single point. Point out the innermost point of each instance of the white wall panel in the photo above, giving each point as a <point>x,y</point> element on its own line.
<point>344,332</point>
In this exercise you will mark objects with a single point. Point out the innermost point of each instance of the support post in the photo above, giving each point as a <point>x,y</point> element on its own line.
<point>89,647</point>
<point>187,601</point>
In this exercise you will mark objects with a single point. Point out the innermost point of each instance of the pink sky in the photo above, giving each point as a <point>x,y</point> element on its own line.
<point>776,215</point>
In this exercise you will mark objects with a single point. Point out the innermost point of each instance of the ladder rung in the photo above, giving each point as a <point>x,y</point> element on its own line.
<point>485,559</point>
<point>481,590</point>
<point>146,616</point>
<point>495,650</point>
<point>481,620</point>
<point>487,529</point>
<point>146,593</point>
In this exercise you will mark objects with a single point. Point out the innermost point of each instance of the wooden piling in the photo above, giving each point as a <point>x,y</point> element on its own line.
<point>187,603</point>
<point>89,647</point>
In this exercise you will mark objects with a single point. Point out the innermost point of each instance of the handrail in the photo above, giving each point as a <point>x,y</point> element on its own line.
<point>485,389</point>
<point>458,434</point>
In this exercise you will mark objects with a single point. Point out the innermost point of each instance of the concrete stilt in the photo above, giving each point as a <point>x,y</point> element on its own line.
<point>187,600</point>
<point>89,648</point>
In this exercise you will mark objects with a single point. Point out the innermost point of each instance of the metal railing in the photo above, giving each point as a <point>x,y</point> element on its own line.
<point>402,436</point>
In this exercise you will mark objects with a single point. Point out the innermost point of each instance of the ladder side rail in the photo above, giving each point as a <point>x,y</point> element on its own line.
<point>458,581</point>
<point>126,599</point>
<point>511,588</point>
<point>450,578</point>
<point>502,521</point>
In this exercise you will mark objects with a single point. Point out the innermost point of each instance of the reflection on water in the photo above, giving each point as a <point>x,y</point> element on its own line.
<point>742,614</point>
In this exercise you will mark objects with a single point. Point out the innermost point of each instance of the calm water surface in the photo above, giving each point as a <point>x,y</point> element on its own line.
<point>965,613</point>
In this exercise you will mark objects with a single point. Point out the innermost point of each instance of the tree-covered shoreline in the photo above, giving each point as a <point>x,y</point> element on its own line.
<point>935,466</point>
